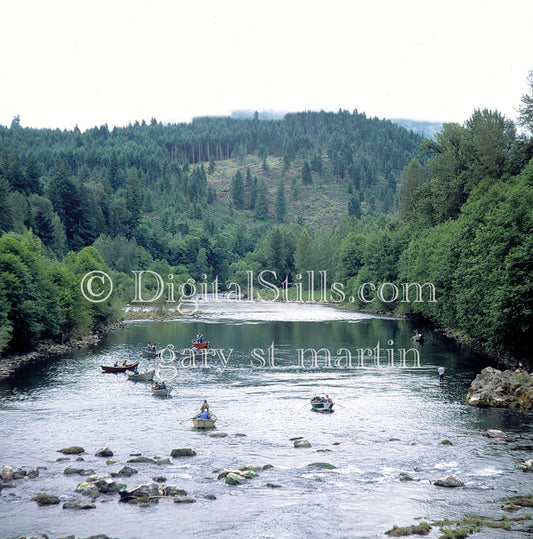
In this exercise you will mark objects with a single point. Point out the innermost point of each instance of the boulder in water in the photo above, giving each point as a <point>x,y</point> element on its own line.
<point>449,481</point>
<point>77,503</point>
<point>45,499</point>
<point>72,450</point>
<point>494,388</point>
<point>185,452</point>
<point>104,452</point>
<point>302,443</point>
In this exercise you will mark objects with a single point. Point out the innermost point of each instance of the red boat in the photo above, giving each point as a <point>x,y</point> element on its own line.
<point>121,368</point>
<point>200,345</point>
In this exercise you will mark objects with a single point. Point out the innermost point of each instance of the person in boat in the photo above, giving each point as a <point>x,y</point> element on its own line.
<point>200,338</point>
<point>149,346</point>
<point>441,374</point>
<point>323,399</point>
<point>115,364</point>
<point>315,399</point>
<point>135,370</point>
<point>205,415</point>
<point>328,399</point>
<point>204,407</point>
<point>153,347</point>
<point>162,385</point>
<point>156,385</point>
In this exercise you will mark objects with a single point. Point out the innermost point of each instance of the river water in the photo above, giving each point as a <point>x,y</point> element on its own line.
<point>390,416</point>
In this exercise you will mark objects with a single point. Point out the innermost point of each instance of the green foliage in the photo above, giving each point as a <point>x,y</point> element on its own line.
<point>525,117</point>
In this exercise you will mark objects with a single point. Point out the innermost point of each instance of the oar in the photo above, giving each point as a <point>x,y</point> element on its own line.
<point>187,419</point>
<point>337,404</point>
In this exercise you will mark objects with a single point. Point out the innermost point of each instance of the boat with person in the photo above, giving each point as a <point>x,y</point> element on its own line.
<point>145,376</point>
<point>120,368</point>
<point>204,420</point>
<point>322,404</point>
<point>160,389</point>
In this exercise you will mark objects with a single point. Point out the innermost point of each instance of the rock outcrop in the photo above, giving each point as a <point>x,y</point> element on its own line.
<point>493,387</point>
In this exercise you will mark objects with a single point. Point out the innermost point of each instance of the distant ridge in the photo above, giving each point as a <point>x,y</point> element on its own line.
<point>424,128</point>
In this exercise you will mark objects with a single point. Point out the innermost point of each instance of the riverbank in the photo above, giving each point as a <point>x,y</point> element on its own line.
<point>12,364</point>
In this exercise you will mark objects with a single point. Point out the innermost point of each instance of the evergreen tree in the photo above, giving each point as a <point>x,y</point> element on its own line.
<point>132,197</point>
<point>354,206</point>
<point>237,190</point>
<point>307,177</point>
<point>6,216</point>
<point>281,209</point>
<point>261,203</point>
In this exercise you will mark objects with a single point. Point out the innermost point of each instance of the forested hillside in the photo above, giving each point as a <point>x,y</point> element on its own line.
<point>360,199</point>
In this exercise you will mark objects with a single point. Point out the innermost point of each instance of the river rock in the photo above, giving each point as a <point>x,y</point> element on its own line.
<point>7,473</point>
<point>170,490</point>
<point>142,460</point>
<point>248,474</point>
<point>218,434</point>
<point>233,478</point>
<point>252,467</point>
<point>493,387</point>
<point>72,450</point>
<point>77,503</point>
<point>273,485</point>
<point>45,499</point>
<point>176,453</point>
<point>104,452</point>
<point>88,489</point>
<point>323,465</point>
<point>105,484</point>
<point>80,471</point>
<point>159,479</point>
<point>527,466</point>
<point>450,481</point>
<point>126,471</point>
<point>301,442</point>
<point>140,493</point>
<point>33,472</point>
<point>184,499</point>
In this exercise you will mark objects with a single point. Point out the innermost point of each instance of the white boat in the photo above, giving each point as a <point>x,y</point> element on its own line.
<point>161,392</point>
<point>145,376</point>
<point>321,406</point>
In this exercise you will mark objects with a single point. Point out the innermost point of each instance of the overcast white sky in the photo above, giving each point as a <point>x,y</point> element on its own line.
<point>79,62</point>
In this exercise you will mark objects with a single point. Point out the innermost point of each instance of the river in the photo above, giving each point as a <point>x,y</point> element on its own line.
<point>390,416</point>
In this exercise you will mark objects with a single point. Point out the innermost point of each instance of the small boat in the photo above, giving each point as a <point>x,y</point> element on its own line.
<point>318,405</point>
<point>200,345</point>
<point>150,353</point>
<point>120,368</point>
<point>204,423</point>
<point>161,392</point>
<point>146,376</point>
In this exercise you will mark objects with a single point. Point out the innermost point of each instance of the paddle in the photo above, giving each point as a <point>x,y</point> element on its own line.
<point>187,419</point>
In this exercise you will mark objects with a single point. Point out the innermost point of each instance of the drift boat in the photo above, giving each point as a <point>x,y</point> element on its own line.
<point>142,376</point>
<point>121,368</point>
<point>319,405</point>
<point>204,423</point>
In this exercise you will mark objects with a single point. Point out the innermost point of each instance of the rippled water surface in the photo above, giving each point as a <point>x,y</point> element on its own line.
<point>388,421</point>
